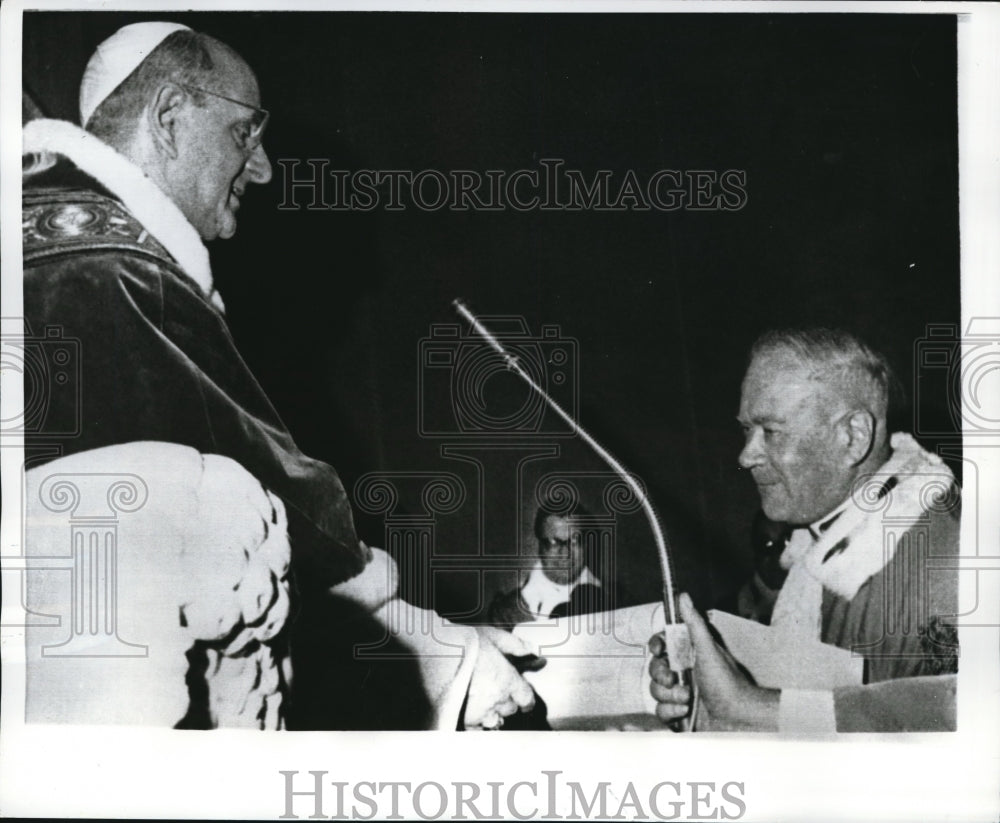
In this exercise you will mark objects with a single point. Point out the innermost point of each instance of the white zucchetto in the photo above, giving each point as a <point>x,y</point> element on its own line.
<point>116,58</point>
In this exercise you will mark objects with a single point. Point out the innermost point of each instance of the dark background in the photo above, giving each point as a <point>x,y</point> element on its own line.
<point>846,128</point>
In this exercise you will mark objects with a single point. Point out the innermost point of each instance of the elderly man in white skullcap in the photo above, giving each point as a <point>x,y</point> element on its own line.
<point>115,215</point>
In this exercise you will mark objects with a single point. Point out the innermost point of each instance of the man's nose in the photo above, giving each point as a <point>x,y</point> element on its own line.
<point>258,166</point>
<point>752,453</point>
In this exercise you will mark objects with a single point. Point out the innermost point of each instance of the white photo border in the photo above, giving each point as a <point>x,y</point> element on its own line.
<point>113,772</point>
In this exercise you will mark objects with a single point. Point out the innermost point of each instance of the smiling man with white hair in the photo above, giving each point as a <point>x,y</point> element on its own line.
<point>871,560</point>
<point>115,218</point>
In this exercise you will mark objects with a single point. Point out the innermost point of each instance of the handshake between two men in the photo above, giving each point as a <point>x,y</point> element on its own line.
<point>813,409</point>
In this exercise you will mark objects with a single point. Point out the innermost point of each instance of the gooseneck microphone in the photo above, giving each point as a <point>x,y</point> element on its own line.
<point>680,652</point>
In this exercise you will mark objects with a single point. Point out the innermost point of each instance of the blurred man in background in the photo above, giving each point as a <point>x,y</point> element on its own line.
<point>563,580</point>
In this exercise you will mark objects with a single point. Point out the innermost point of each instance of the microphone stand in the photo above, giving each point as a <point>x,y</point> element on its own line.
<point>680,652</point>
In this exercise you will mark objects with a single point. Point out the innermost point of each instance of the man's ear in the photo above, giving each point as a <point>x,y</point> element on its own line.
<point>859,429</point>
<point>162,115</point>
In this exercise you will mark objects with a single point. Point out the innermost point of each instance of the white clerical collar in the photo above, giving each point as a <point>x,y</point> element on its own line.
<point>157,213</point>
<point>850,545</point>
<point>542,594</point>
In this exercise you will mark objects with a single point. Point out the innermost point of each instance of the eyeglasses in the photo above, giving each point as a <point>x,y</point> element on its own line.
<point>248,136</point>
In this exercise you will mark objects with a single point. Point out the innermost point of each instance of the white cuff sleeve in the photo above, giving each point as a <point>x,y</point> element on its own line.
<point>374,586</point>
<point>445,653</point>
<point>806,712</point>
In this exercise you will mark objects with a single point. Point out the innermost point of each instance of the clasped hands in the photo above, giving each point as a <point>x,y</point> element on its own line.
<point>728,698</point>
<point>497,689</point>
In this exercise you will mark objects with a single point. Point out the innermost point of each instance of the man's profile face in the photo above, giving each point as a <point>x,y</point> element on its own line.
<point>795,453</point>
<point>212,170</point>
<point>560,548</point>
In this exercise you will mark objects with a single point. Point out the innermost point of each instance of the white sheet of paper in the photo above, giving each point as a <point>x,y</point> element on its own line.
<point>774,663</point>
